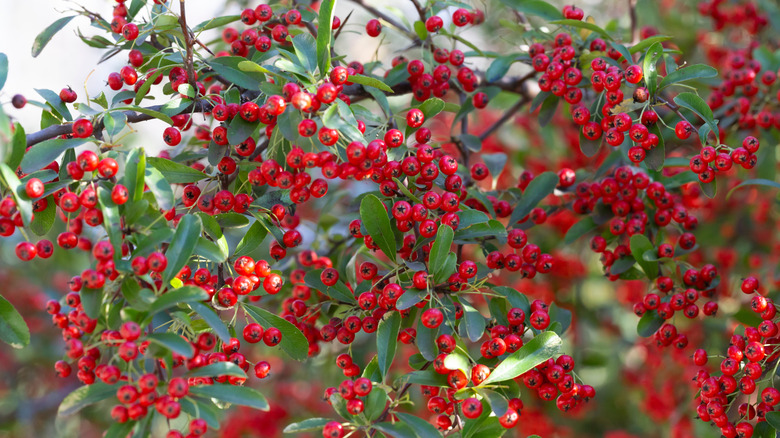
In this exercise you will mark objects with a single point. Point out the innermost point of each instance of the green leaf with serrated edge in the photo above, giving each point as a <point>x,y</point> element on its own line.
<point>135,170</point>
<point>217,369</point>
<point>754,182</point>
<point>159,187</point>
<point>237,395</point>
<point>43,221</point>
<point>43,153</point>
<point>583,25</point>
<point>535,7</point>
<point>387,340</point>
<point>473,321</point>
<point>3,69</point>
<point>538,189</point>
<point>251,240</point>
<point>176,173</point>
<point>647,42</point>
<point>368,81</point>
<point>212,319</point>
<point>182,245</point>
<point>709,189</point>
<point>172,342</point>
<point>293,342</point>
<point>377,223</point>
<point>691,72</point>
<point>182,295</point>
<point>440,249</point>
<point>215,22</point>
<point>542,347</point>
<point>85,396</point>
<point>13,329</point>
<point>639,245</point>
<point>44,37</point>
<point>648,324</point>
<point>324,35</point>
<point>649,68</point>
<point>23,204</point>
<point>308,425</point>
<point>338,291</point>
<point>699,107</point>
<point>584,226</point>
<point>421,427</point>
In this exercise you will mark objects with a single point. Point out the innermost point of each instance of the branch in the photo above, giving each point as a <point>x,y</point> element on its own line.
<point>390,20</point>
<point>504,118</point>
<point>132,117</point>
<point>633,18</point>
<point>188,64</point>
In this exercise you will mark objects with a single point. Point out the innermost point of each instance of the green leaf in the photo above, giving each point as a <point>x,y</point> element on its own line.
<point>228,67</point>
<point>9,178</point>
<point>773,418</point>
<point>410,297</point>
<point>159,187</point>
<point>639,245</point>
<point>239,130</point>
<point>217,369</point>
<point>579,229</point>
<point>176,173</point>
<point>656,156</point>
<point>338,291</point>
<point>709,189</point>
<point>306,50</point>
<point>135,169</point>
<point>251,240</point>
<point>420,30</point>
<point>696,71</point>
<point>589,147</point>
<point>85,396</point>
<point>43,221</point>
<point>375,403</point>
<point>426,341</point>
<point>120,430</point>
<point>547,111</point>
<point>215,22</point>
<point>308,425</point>
<point>13,329</point>
<point>212,319</point>
<point>387,340</point>
<point>498,402</point>
<point>440,249</point>
<point>182,245</point>
<point>149,112</point>
<point>492,229</point>
<point>182,295</point>
<point>377,222</point>
<point>112,222</point>
<point>457,361</point>
<point>754,182</point>
<point>114,122</point>
<point>324,34</point>
<point>426,377</point>
<point>583,25</point>
<point>473,320</point>
<point>538,189</point>
<point>43,153</point>
<point>648,324</point>
<point>293,341</point>
<point>3,69</point>
<point>172,342</point>
<point>699,107</point>
<point>395,430</point>
<point>544,346</point>
<point>649,68</point>
<point>91,300</point>
<point>237,395</point>
<point>421,427</point>
<point>499,67</point>
<point>368,81</point>
<point>18,147</point>
<point>44,37</point>
<point>647,42</point>
<point>535,7</point>
<point>431,107</point>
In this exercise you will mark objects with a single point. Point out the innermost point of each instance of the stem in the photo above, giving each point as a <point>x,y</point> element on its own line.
<point>188,64</point>
<point>505,117</point>
<point>633,18</point>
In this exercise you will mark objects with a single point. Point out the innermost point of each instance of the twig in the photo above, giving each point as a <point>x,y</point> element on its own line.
<point>632,16</point>
<point>390,20</point>
<point>188,42</point>
<point>420,10</point>
<point>505,117</point>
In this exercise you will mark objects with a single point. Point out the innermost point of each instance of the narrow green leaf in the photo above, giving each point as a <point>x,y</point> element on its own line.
<point>377,223</point>
<point>10,180</point>
<point>535,7</point>
<point>338,291</point>
<point>182,245</point>
<point>368,81</point>
<point>473,320</point>
<point>147,111</point>
<point>648,324</point>
<point>440,249</point>
<point>85,396</point>
<point>176,173</point>
<point>754,182</point>
<point>647,42</point>
<point>293,341</point>
<point>639,245</point>
<point>212,319</point>
<point>251,240</point>
<point>696,71</point>
<point>182,295</point>
<point>237,395</point>
<point>387,340</point>
<point>214,23</point>
<point>421,427</point>
<point>159,187</point>
<point>135,169</point>
<point>583,25</point>
<point>44,37</point>
<point>3,69</point>
<point>112,222</point>
<point>43,153</point>
<point>308,425</point>
<point>584,226</point>
<point>696,104</point>
<point>13,329</point>
<point>539,349</point>
<point>538,189</point>
<point>18,147</point>
<point>709,189</point>
<point>306,50</point>
<point>324,35</point>
<point>143,90</point>
<point>649,67</point>
<point>217,369</point>
<point>499,67</point>
<point>172,342</point>
<point>43,221</point>
<point>656,156</point>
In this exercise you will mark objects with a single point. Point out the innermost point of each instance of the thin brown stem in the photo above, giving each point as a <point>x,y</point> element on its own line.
<point>390,20</point>
<point>508,114</point>
<point>632,16</point>
<point>188,43</point>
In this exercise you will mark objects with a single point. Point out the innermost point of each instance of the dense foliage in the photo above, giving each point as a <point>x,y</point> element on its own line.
<point>569,230</point>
